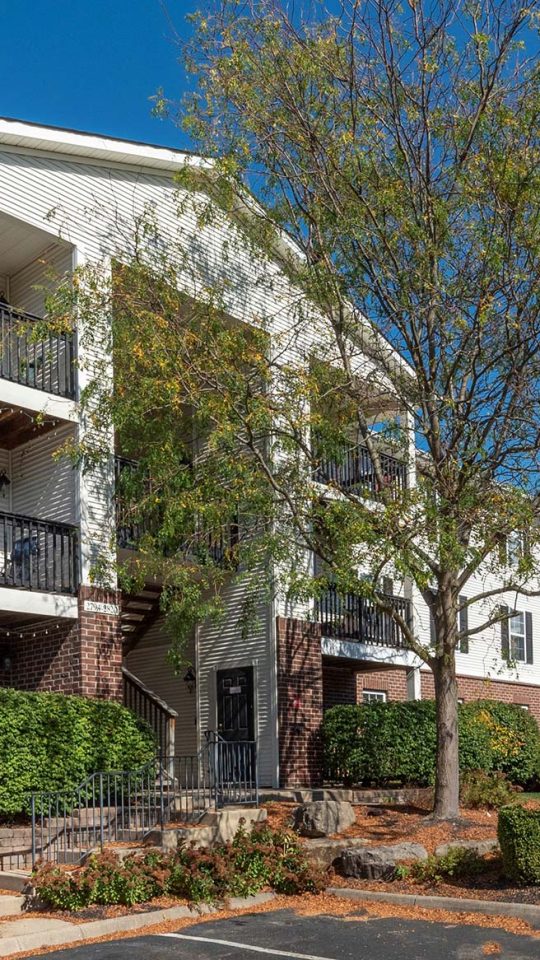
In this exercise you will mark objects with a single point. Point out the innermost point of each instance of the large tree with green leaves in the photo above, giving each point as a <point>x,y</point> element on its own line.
<point>398,146</point>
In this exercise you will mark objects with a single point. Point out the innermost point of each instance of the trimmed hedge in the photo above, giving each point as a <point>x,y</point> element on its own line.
<point>519,839</point>
<point>379,743</point>
<point>50,741</point>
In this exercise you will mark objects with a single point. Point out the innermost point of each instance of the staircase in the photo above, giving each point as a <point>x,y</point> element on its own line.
<point>126,806</point>
<point>139,611</point>
<point>150,707</point>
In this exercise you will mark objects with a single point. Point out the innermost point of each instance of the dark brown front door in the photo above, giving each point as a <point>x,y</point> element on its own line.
<point>235,704</point>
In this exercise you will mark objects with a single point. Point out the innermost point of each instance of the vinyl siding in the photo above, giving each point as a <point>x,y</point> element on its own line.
<point>42,486</point>
<point>222,644</point>
<point>148,661</point>
<point>29,287</point>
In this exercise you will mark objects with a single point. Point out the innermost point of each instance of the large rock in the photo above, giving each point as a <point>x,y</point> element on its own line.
<point>321,818</point>
<point>327,853</point>
<point>480,847</point>
<point>379,863</point>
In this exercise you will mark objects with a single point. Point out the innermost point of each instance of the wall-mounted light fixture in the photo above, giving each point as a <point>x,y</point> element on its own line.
<point>6,662</point>
<point>4,480</point>
<point>190,679</point>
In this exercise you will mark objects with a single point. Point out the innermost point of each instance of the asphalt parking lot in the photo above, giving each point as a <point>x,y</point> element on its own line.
<point>284,934</point>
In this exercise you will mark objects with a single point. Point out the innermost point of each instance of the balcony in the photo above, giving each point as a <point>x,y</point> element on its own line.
<point>39,555</point>
<point>353,471</point>
<point>128,532</point>
<point>45,364</point>
<point>204,547</point>
<point>354,618</point>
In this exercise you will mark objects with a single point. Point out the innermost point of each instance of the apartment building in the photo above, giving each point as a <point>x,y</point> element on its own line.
<point>63,196</point>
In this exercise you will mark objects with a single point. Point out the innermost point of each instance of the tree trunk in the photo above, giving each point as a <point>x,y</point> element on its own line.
<point>447,772</point>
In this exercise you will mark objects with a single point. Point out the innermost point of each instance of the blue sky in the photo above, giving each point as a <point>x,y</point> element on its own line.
<point>92,64</point>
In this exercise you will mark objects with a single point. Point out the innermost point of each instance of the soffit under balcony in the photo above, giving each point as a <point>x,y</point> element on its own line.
<point>18,426</point>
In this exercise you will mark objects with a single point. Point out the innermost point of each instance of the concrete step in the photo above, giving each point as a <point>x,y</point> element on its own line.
<point>14,880</point>
<point>11,906</point>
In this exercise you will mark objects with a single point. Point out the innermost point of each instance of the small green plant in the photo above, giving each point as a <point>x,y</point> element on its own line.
<point>264,858</point>
<point>519,839</point>
<point>456,864</point>
<point>481,789</point>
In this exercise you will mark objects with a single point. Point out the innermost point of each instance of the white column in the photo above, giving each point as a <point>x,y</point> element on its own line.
<point>96,504</point>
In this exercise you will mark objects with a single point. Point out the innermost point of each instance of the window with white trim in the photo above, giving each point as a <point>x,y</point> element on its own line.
<point>374,696</point>
<point>515,548</point>
<point>517,636</point>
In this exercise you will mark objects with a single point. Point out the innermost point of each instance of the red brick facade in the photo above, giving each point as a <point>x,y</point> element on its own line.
<point>339,687</point>
<point>82,657</point>
<point>100,646</point>
<point>300,702</point>
<point>471,688</point>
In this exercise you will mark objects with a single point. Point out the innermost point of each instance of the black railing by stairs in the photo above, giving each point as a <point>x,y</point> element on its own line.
<point>351,617</point>
<point>45,363</point>
<point>126,805</point>
<point>38,554</point>
<point>149,707</point>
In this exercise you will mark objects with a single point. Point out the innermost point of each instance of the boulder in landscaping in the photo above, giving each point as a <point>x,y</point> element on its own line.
<point>321,818</point>
<point>327,853</point>
<point>379,863</point>
<point>480,847</point>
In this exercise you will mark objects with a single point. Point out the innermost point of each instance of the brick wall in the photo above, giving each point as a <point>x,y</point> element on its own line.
<point>44,658</point>
<point>300,702</point>
<point>339,686</point>
<point>100,646</point>
<point>471,688</point>
<point>82,657</point>
<point>392,681</point>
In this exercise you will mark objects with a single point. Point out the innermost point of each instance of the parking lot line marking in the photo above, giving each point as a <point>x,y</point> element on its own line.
<point>245,946</point>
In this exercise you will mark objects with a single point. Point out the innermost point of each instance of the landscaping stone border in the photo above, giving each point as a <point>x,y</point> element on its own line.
<point>493,908</point>
<point>397,796</point>
<point>77,933</point>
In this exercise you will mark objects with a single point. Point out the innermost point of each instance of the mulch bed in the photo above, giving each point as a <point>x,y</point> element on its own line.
<point>389,825</point>
<point>382,825</point>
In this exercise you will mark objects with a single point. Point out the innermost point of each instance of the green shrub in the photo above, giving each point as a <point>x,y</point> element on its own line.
<point>49,742</point>
<point>519,839</point>
<point>514,738</point>
<point>265,857</point>
<point>381,743</point>
<point>341,734</point>
<point>481,789</point>
<point>457,863</point>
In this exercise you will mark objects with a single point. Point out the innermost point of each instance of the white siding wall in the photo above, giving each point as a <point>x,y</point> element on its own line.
<point>484,658</point>
<point>29,287</point>
<point>222,644</point>
<point>149,663</point>
<point>42,486</point>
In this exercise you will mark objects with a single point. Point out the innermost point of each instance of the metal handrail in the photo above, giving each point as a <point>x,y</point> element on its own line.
<point>353,470</point>
<point>38,554</point>
<point>47,363</point>
<point>125,805</point>
<point>352,617</point>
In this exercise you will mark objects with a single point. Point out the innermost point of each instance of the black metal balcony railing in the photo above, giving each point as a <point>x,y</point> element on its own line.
<point>45,364</point>
<point>38,554</point>
<point>353,470</point>
<point>205,545</point>
<point>350,617</point>
<point>128,532</point>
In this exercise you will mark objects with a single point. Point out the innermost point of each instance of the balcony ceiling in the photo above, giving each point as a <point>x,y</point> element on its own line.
<point>18,426</point>
<point>20,244</point>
